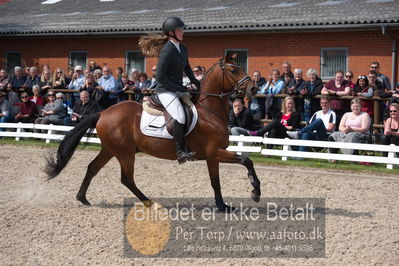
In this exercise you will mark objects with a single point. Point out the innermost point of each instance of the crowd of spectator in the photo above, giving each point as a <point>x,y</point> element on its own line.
<point>302,115</point>
<point>29,96</point>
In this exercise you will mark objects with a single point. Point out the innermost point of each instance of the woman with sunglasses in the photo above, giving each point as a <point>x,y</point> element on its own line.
<point>53,112</point>
<point>60,80</point>
<point>391,132</point>
<point>362,88</point>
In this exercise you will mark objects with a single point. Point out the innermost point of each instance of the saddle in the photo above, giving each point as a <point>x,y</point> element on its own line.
<point>154,106</point>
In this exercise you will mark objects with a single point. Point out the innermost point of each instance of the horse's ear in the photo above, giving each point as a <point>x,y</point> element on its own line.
<point>231,56</point>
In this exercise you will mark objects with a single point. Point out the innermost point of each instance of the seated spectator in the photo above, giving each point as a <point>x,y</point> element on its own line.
<point>27,110</point>
<point>118,74</point>
<point>312,87</point>
<point>287,75</point>
<point>349,78</point>
<point>198,72</point>
<point>296,87</point>
<point>354,126</point>
<point>17,80</point>
<point>46,82</point>
<point>337,87</point>
<point>36,98</point>
<point>391,127</point>
<point>381,91</point>
<point>33,79</point>
<point>240,119</point>
<point>288,120</point>
<point>108,84</point>
<point>53,112</point>
<point>321,124</point>
<point>4,80</point>
<point>60,80</point>
<point>61,97</point>
<point>273,86</point>
<point>77,82</point>
<point>26,72</point>
<point>375,66</point>
<point>154,75</point>
<point>82,108</point>
<point>5,109</point>
<point>362,88</point>
<point>134,75</point>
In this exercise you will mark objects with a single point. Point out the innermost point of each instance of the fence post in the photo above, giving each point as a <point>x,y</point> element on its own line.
<point>49,133</point>
<point>18,131</point>
<point>285,148</point>
<point>390,155</point>
<point>240,144</point>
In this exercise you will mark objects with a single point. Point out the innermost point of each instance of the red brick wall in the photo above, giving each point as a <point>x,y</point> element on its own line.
<point>265,50</point>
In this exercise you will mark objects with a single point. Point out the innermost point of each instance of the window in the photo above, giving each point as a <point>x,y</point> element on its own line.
<point>332,60</point>
<point>135,59</point>
<point>242,57</point>
<point>77,58</point>
<point>13,59</point>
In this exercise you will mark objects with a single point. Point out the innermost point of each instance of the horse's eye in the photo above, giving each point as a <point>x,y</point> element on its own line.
<point>234,70</point>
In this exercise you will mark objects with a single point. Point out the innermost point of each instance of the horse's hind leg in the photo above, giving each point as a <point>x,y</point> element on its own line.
<point>127,175</point>
<point>101,159</point>
<point>213,169</point>
<point>225,156</point>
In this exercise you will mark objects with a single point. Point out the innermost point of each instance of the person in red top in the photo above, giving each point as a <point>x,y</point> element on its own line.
<point>36,98</point>
<point>288,119</point>
<point>338,87</point>
<point>28,110</point>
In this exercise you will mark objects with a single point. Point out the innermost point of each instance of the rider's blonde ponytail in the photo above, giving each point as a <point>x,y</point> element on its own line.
<point>152,44</point>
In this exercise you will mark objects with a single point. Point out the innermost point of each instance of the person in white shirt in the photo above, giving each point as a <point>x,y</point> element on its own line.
<point>77,82</point>
<point>321,123</point>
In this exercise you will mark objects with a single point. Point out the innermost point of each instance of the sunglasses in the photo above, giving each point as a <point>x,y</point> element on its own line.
<point>373,67</point>
<point>59,72</point>
<point>348,76</point>
<point>153,70</point>
<point>392,111</point>
<point>23,97</point>
<point>50,95</point>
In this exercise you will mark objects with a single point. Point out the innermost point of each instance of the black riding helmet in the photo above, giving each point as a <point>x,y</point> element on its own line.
<point>170,24</point>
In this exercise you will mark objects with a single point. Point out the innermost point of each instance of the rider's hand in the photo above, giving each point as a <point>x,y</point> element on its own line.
<point>182,88</point>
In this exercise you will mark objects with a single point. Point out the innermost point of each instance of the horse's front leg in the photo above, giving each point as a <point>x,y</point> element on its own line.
<point>225,156</point>
<point>213,169</point>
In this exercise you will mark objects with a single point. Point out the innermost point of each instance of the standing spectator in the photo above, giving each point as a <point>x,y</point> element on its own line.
<point>5,109</point>
<point>288,119</point>
<point>381,77</point>
<point>337,87</point>
<point>198,73</point>
<point>257,105</point>
<point>154,75</point>
<point>82,108</point>
<point>90,85</point>
<point>349,78</point>
<point>312,87</point>
<point>287,75</point>
<point>119,73</point>
<point>354,126</point>
<point>362,88</point>
<point>3,80</point>
<point>320,124</point>
<point>391,127</point>
<point>142,87</point>
<point>69,74</point>
<point>36,98</point>
<point>33,79</point>
<point>93,66</point>
<point>108,84</point>
<point>28,110</point>
<point>77,81</point>
<point>46,82</point>
<point>60,80</point>
<point>240,119</point>
<point>296,87</point>
<point>381,91</point>
<point>53,112</point>
<point>273,86</point>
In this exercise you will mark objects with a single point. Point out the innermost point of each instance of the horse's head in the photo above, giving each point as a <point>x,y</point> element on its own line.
<point>236,80</point>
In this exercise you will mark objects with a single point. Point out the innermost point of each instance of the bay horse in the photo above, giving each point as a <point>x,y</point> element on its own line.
<point>118,128</point>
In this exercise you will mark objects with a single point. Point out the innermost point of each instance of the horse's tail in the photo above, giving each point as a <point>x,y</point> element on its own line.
<point>68,145</point>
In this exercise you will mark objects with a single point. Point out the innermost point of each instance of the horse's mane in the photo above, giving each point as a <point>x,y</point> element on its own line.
<point>152,44</point>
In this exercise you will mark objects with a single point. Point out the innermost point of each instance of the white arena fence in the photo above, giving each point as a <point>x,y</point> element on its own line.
<point>239,144</point>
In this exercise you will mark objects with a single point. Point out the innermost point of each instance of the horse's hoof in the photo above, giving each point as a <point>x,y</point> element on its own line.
<point>83,200</point>
<point>255,195</point>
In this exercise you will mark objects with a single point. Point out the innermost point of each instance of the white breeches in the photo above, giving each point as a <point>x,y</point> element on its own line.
<point>171,102</point>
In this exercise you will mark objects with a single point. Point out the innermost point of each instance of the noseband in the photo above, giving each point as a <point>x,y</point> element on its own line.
<point>236,91</point>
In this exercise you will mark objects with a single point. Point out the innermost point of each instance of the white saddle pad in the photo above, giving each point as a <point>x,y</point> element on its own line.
<point>154,125</point>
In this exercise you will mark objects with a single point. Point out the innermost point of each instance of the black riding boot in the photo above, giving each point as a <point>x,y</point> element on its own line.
<point>178,135</point>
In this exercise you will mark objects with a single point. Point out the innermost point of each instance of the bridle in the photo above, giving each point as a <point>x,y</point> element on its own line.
<point>235,92</point>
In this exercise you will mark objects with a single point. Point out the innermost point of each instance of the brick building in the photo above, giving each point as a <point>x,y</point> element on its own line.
<point>324,34</point>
